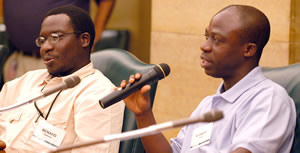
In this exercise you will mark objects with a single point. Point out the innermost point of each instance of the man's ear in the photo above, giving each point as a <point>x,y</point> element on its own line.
<point>85,39</point>
<point>250,50</point>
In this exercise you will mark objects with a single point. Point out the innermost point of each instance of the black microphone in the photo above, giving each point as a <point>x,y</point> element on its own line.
<point>68,83</point>
<point>156,73</point>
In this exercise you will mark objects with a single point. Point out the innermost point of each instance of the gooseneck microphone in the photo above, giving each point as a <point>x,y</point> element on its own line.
<point>211,116</point>
<point>156,73</point>
<point>68,83</point>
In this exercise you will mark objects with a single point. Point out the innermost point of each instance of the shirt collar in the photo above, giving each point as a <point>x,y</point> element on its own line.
<point>254,77</point>
<point>82,73</point>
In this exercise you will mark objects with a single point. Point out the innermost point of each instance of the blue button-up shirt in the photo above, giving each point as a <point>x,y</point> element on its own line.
<point>258,115</point>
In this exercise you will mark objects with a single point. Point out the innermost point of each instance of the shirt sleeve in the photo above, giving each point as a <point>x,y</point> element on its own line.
<point>265,124</point>
<point>176,143</point>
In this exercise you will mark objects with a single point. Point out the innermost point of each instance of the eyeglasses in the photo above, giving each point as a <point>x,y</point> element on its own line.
<point>53,38</point>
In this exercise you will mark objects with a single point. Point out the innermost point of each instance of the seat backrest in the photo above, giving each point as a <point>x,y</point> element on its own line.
<point>289,78</point>
<point>3,55</point>
<point>4,51</point>
<point>113,38</point>
<point>118,65</point>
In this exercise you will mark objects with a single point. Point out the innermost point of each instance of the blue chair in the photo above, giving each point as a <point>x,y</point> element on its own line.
<point>118,65</point>
<point>289,78</point>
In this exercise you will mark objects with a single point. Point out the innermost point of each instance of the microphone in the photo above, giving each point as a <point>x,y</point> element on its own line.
<point>68,83</point>
<point>156,73</point>
<point>211,116</point>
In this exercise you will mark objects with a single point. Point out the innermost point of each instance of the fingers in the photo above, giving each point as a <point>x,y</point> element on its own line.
<point>137,76</point>
<point>123,83</point>
<point>132,79</point>
<point>145,89</point>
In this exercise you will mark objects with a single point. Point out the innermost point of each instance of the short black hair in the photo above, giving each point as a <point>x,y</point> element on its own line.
<point>80,20</point>
<point>255,24</point>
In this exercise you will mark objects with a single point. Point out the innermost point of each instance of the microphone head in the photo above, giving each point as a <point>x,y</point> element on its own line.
<point>213,115</point>
<point>72,81</point>
<point>162,70</point>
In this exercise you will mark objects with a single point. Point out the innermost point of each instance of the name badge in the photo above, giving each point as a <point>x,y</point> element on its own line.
<point>201,136</point>
<point>48,135</point>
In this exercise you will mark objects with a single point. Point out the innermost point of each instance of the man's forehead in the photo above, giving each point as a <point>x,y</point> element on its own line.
<point>224,28</point>
<point>57,19</point>
<point>56,23</point>
<point>226,19</point>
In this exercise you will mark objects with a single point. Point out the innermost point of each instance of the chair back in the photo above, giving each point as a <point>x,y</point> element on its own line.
<point>113,38</point>
<point>118,65</point>
<point>3,55</point>
<point>289,78</point>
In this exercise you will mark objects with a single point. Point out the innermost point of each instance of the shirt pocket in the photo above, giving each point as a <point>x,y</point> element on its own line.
<point>14,117</point>
<point>57,121</point>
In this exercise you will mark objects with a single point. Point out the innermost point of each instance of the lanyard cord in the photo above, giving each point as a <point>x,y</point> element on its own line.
<point>40,112</point>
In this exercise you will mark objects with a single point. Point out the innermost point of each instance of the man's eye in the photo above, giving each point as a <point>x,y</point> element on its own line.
<point>54,34</point>
<point>54,37</point>
<point>216,39</point>
<point>206,37</point>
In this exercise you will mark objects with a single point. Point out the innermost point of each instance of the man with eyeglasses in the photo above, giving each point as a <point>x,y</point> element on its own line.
<point>23,20</point>
<point>73,115</point>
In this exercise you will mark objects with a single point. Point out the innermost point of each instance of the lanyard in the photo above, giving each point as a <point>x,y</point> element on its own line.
<point>40,112</point>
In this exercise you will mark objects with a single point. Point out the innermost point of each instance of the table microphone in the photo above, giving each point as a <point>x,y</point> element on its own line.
<point>211,116</point>
<point>158,72</point>
<point>67,83</point>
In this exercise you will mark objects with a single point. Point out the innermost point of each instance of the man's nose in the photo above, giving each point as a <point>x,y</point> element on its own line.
<point>206,46</point>
<point>45,47</point>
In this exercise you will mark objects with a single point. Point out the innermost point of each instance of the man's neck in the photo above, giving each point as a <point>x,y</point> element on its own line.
<point>232,80</point>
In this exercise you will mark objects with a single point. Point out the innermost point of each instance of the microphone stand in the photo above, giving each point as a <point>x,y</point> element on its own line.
<point>150,130</point>
<point>68,83</point>
<point>3,109</point>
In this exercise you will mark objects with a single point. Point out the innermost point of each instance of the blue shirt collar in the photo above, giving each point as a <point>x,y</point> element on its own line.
<point>254,77</point>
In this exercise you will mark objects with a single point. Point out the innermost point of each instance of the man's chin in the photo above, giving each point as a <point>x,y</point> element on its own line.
<point>212,74</point>
<point>53,73</point>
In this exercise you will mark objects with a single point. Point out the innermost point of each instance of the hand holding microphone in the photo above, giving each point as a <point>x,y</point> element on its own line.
<point>158,72</point>
<point>138,102</point>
